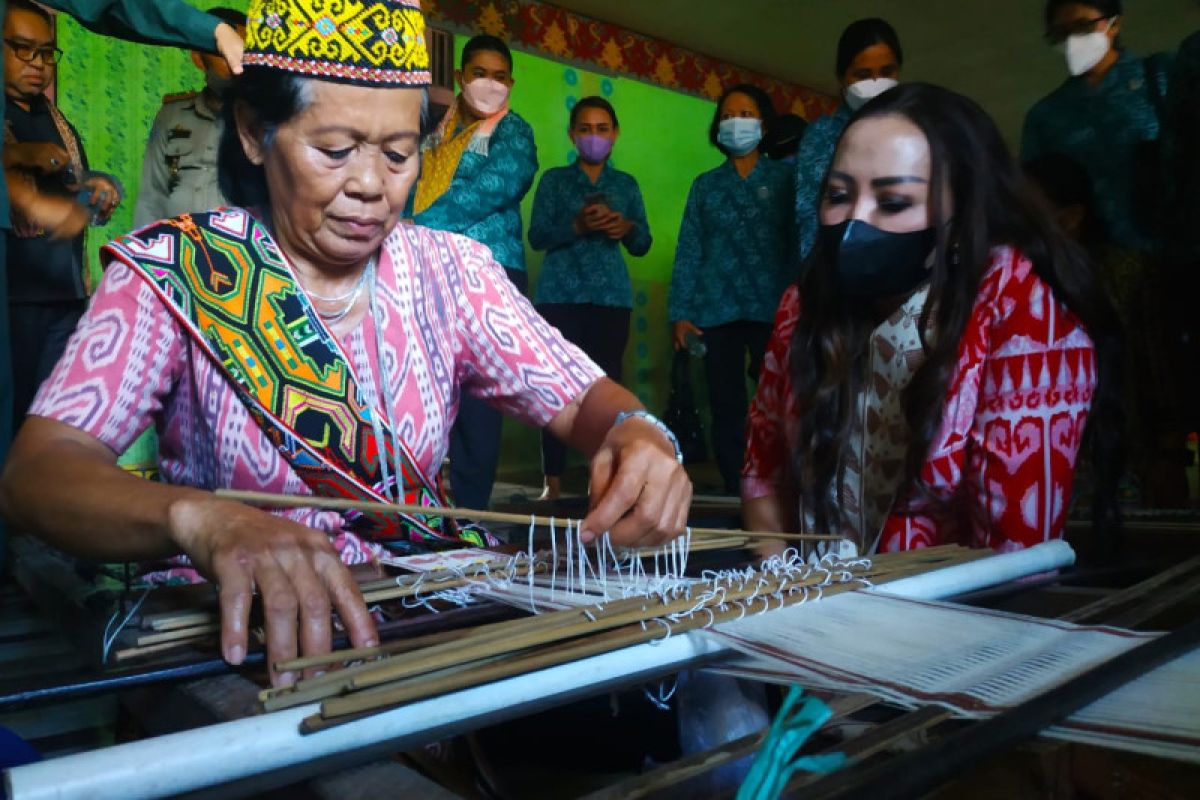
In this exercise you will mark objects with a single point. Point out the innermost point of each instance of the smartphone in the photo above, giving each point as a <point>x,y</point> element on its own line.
<point>595,199</point>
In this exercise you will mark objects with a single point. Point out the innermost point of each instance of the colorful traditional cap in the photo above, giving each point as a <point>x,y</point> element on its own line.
<point>365,42</point>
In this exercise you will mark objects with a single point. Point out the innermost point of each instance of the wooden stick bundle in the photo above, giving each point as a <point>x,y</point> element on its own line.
<point>516,646</point>
<point>428,674</point>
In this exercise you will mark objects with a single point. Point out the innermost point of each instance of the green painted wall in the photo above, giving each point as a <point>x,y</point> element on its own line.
<point>664,144</point>
<point>111,91</point>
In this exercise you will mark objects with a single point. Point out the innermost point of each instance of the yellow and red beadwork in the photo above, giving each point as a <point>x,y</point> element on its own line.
<point>372,43</point>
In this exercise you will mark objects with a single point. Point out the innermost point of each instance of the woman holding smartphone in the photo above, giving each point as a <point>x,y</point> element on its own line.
<point>582,215</point>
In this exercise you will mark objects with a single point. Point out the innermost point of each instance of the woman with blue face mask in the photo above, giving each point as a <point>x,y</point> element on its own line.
<point>732,263</point>
<point>1109,115</point>
<point>583,214</point>
<point>869,58</point>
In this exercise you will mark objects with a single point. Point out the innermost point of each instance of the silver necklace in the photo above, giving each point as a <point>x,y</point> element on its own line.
<point>350,298</point>
<point>352,291</point>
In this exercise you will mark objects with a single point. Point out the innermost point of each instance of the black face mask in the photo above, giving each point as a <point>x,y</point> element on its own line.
<point>872,264</point>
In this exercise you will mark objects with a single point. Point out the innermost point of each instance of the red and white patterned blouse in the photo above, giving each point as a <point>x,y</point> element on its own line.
<point>452,322</point>
<point>1015,412</point>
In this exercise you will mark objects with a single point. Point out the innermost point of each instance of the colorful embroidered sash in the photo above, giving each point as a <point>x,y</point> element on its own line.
<point>227,282</point>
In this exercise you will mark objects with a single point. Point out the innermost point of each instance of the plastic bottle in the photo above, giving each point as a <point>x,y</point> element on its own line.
<point>695,346</point>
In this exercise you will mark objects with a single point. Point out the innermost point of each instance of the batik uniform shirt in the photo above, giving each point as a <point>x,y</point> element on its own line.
<point>1100,127</point>
<point>735,253</point>
<point>813,160</point>
<point>585,269</point>
<point>484,199</point>
<point>452,322</point>
<point>1014,417</point>
<point>166,22</point>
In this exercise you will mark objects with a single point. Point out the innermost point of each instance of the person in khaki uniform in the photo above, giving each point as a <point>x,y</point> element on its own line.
<point>179,172</point>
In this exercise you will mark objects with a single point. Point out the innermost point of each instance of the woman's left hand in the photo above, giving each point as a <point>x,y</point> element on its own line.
<point>640,492</point>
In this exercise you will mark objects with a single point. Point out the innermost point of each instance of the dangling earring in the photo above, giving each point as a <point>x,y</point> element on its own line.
<point>955,255</point>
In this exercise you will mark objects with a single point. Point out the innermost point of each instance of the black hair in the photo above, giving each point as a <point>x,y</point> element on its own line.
<point>1109,8</point>
<point>273,97</point>
<point>784,138</point>
<point>766,110</point>
<point>1064,182</point>
<point>864,33</point>
<point>26,5</point>
<point>485,43</point>
<point>993,205</point>
<point>229,15</point>
<point>594,102</point>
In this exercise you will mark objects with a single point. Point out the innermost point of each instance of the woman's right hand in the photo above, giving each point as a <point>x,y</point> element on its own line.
<point>294,568</point>
<point>680,332</point>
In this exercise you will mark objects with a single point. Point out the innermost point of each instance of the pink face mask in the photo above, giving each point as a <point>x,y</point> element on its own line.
<point>486,95</point>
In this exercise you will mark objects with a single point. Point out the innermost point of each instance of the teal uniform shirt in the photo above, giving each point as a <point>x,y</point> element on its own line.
<point>484,199</point>
<point>1100,127</point>
<point>736,246</point>
<point>812,163</point>
<point>589,268</point>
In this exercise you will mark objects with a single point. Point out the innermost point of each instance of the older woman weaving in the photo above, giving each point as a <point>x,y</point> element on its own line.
<point>305,342</point>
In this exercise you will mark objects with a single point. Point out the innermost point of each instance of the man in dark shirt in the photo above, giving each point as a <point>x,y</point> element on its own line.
<point>45,274</point>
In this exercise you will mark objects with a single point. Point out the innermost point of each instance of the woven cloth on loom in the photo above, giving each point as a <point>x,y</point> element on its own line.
<point>974,662</point>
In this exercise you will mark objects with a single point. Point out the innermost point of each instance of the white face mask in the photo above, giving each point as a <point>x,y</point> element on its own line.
<point>1085,50</point>
<point>486,95</point>
<point>861,93</point>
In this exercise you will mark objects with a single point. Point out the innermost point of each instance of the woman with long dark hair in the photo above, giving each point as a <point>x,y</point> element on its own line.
<point>930,379</point>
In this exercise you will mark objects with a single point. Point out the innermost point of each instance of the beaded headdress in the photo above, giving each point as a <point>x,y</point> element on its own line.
<point>364,42</point>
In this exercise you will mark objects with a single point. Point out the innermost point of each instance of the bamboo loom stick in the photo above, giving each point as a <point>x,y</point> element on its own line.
<point>137,652</point>
<point>267,500</point>
<point>171,621</point>
<point>196,632</point>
